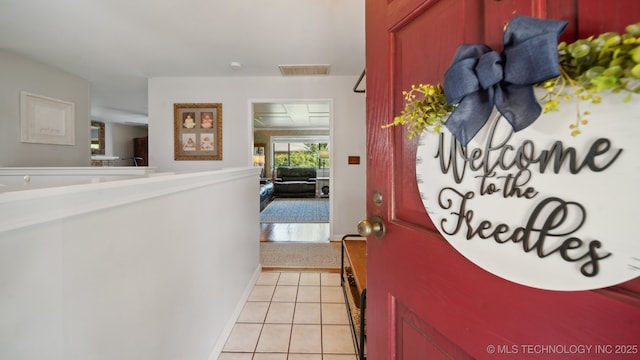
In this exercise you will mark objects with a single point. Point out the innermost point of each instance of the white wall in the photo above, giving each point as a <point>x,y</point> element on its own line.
<point>151,268</point>
<point>236,95</point>
<point>21,74</point>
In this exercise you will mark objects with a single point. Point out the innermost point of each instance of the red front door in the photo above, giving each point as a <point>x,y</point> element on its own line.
<point>424,299</point>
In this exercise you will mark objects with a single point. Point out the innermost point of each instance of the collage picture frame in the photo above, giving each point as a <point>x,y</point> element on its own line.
<point>198,131</point>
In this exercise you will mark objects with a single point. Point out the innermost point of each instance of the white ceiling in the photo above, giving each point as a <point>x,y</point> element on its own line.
<point>298,115</point>
<point>118,44</point>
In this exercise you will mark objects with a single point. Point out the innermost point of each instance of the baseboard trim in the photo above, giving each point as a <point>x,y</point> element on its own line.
<point>219,346</point>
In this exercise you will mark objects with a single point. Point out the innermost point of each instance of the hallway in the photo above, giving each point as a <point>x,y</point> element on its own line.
<point>293,316</point>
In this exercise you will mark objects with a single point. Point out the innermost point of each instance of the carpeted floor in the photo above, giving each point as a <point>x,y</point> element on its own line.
<point>283,255</point>
<point>283,210</point>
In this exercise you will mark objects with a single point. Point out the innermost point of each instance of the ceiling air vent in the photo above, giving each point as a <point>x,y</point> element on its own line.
<point>297,70</point>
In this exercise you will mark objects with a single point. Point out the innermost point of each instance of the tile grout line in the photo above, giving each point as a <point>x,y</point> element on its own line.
<point>295,304</point>
<point>321,321</point>
<point>264,320</point>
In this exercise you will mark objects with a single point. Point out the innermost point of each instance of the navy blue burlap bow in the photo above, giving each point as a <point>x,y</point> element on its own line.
<point>480,78</point>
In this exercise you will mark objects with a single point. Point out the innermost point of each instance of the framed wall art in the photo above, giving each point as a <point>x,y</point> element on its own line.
<point>198,131</point>
<point>45,120</point>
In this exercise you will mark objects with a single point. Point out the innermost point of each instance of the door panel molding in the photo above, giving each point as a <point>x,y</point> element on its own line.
<point>412,38</point>
<point>418,339</point>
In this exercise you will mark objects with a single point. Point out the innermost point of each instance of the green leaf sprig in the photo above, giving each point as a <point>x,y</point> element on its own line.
<point>425,109</point>
<point>609,62</point>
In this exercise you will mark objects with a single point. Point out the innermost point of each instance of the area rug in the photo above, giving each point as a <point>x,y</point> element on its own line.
<point>279,255</point>
<point>296,211</point>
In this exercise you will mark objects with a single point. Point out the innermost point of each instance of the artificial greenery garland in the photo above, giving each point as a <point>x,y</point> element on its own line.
<point>610,62</point>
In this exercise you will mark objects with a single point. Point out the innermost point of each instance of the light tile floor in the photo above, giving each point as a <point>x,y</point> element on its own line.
<point>293,316</point>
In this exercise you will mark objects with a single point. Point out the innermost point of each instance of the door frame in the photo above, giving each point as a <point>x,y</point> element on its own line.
<point>329,101</point>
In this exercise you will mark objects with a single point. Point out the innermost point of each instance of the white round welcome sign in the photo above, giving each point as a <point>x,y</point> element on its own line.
<point>540,207</point>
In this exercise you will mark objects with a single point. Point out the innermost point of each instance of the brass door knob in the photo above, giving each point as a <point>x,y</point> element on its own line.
<point>375,226</point>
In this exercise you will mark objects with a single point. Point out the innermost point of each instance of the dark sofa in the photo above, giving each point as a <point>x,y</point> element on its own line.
<point>295,181</point>
<point>266,192</point>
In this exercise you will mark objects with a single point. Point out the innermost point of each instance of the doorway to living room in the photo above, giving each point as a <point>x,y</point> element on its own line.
<point>292,145</point>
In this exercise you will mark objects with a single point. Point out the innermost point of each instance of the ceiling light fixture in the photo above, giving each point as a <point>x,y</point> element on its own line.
<point>235,65</point>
